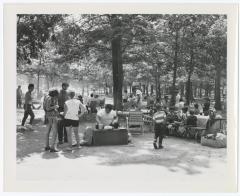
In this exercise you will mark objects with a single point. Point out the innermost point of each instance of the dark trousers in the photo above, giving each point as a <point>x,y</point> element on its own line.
<point>19,103</point>
<point>62,132</point>
<point>159,131</point>
<point>28,111</point>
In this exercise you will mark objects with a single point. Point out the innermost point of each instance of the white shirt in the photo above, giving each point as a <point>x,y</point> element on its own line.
<point>73,106</point>
<point>105,118</point>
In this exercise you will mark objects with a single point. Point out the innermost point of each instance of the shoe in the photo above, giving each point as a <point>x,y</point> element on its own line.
<point>69,149</point>
<point>29,126</point>
<point>155,145</point>
<point>76,145</point>
<point>54,150</point>
<point>47,148</point>
<point>161,147</point>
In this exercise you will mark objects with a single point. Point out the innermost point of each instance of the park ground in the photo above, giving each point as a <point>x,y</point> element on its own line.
<point>181,161</point>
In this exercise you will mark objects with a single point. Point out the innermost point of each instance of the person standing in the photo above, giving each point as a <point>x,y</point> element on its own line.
<point>62,98</point>
<point>178,96</point>
<point>73,110</point>
<point>51,108</point>
<point>159,120</point>
<point>19,97</point>
<point>125,96</point>
<point>139,99</point>
<point>28,105</point>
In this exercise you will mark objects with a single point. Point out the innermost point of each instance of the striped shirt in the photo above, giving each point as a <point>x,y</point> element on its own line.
<point>159,117</point>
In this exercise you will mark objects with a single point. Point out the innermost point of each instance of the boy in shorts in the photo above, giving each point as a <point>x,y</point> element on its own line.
<point>159,119</point>
<point>72,107</point>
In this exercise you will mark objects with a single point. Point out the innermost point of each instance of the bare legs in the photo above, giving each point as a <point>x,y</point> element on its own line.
<point>69,133</point>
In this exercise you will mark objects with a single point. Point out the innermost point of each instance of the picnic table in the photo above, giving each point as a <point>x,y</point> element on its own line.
<point>110,137</point>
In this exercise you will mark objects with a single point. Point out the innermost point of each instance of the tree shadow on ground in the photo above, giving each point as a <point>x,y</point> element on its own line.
<point>178,154</point>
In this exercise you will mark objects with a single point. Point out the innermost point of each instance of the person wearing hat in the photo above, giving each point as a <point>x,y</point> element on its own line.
<point>159,120</point>
<point>62,98</point>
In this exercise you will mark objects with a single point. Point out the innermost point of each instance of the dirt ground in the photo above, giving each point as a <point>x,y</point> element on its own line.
<point>181,161</point>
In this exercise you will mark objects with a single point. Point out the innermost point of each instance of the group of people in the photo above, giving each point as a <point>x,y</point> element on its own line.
<point>132,100</point>
<point>176,120</point>
<point>62,112</point>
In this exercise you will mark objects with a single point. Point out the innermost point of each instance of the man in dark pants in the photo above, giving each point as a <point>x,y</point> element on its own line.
<point>62,97</point>
<point>28,105</point>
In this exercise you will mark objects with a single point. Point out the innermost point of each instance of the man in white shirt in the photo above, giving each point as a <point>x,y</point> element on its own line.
<point>107,117</point>
<point>73,110</point>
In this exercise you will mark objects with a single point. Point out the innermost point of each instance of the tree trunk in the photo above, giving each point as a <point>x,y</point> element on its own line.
<point>48,85</point>
<point>38,83</point>
<point>152,87</point>
<point>200,91</point>
<point>218,88</point>
<point>144,89</point>
<point>173,93</point>
<point>195,91</point>
<point>147,90</point>
<point>83,89</point>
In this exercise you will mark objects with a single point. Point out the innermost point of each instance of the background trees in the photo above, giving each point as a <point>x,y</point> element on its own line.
<point>163,53</point>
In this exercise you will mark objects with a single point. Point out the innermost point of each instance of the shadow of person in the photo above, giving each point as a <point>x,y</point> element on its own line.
<point>50,155</point>
<point>74,154</point>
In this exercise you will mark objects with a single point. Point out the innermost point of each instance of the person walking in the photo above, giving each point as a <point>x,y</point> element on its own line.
<point>159,120</point>
<point>62,98</point>
<point>19,97</point>
<point>73,110</point>
<point>51,108</point>
<point>28,106</point>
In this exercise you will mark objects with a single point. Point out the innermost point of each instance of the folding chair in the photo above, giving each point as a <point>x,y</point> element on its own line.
<point>135,118</point>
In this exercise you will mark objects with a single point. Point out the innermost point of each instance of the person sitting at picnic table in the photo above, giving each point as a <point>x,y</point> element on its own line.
<point>165,102</point>
<point>210,122</point>
<point>191,119</point>
<point>150,101</point>
<point>172,121</point>
<point>184,114</point>
<point>107,117</point>
<point>206,107</point>
<point>196,109</point>
<point>93,103</point>
<point>132,102</point>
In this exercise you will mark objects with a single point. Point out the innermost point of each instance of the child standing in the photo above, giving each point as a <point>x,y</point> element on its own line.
<point>159,119</point>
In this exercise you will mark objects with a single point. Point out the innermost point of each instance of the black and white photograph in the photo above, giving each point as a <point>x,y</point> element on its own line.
<point>122,97</point>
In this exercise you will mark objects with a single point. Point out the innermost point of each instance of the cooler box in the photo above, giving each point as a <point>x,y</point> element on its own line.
<point>110,137</point>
